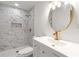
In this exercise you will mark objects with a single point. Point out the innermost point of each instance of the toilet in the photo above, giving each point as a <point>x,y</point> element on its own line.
<point>25,52</point>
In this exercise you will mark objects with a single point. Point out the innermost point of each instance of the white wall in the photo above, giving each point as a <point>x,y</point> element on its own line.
<point>72,34</point>
<point>42,27</point>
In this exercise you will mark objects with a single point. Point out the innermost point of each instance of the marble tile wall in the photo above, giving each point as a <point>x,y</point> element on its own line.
<point>13,28</point>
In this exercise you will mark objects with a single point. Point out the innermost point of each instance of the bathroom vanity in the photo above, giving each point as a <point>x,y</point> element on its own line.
<point>48,47</point>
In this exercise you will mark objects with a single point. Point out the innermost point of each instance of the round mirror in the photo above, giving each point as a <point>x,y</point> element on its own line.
<point>60,17</point>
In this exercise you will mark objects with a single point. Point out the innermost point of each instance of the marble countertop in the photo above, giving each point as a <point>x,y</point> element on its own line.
<point>67,48</point>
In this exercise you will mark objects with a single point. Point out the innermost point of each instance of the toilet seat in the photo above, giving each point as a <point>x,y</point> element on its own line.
<point>25,52</point>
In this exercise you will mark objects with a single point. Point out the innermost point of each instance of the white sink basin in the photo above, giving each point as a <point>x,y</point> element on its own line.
<point>54,42</point>
<point>59,44</point>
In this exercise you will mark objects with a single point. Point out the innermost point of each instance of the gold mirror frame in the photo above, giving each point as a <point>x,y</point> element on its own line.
<point>56,34</point>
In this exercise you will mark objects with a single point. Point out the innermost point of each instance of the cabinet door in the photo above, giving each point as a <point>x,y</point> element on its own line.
<point>46,51</point>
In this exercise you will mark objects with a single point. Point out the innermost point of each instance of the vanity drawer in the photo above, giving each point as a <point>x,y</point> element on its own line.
<point>47,52</point>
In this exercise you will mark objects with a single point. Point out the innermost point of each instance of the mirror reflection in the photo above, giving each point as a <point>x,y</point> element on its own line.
<point>60,17</point>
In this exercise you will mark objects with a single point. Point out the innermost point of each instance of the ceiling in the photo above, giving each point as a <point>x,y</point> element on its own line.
<point>26,5</point>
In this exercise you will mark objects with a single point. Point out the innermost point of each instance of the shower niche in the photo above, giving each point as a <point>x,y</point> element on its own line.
<point>16,25</point>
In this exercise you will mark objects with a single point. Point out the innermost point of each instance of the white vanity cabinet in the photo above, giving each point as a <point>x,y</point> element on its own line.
<point>41,50</point>
<point>47,47</point>
<point>36,48</point>
<point>46,51</point>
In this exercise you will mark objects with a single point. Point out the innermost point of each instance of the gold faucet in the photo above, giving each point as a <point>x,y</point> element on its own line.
<point>56,35</point>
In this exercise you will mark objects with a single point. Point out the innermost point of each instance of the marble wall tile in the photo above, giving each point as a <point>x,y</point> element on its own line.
<point>13,36</point>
